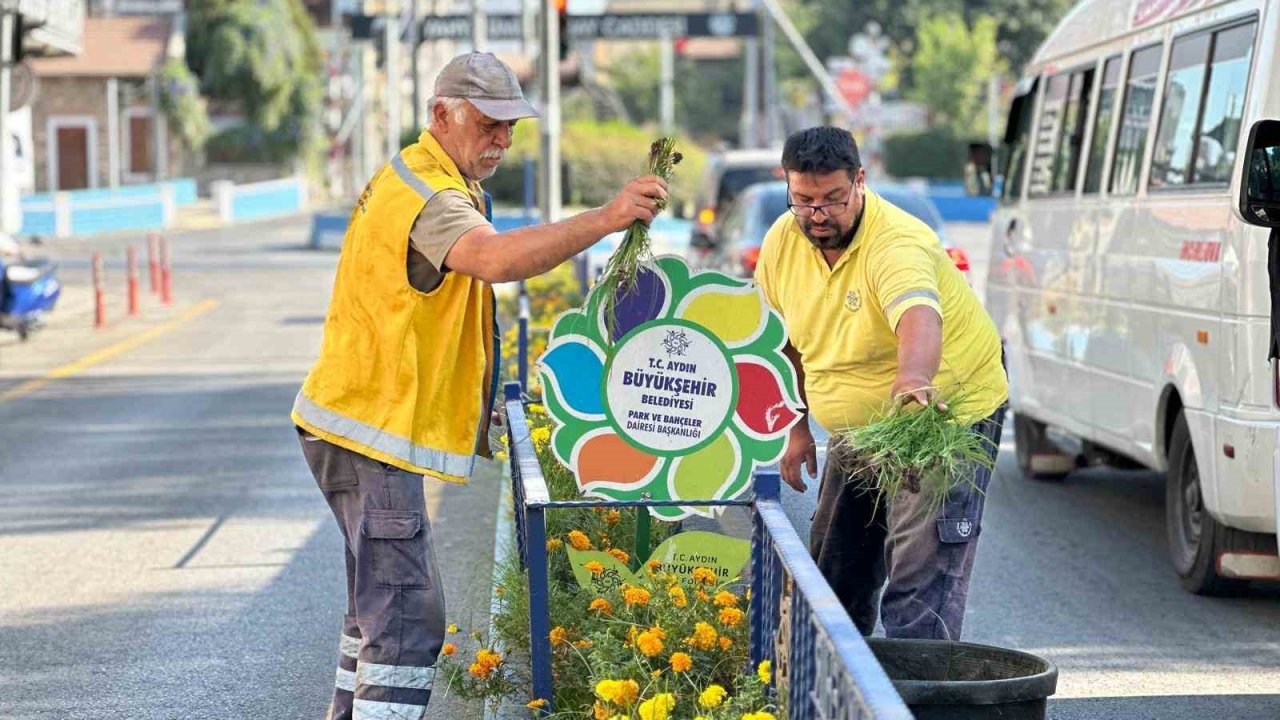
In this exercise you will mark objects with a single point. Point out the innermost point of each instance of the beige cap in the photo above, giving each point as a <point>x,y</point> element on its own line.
<point>488,83</point>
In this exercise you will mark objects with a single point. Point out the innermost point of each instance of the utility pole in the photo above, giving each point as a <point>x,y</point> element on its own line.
<point>772,106</point>
<point>479,29</point>
<point>750,126</point>
<point>415,50</point>
<point>392,55</point>
<point>667,59</point>
<point>6,155</point>
<point>549,122</point>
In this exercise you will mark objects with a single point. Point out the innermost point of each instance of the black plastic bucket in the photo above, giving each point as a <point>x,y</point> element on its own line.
<point>942,680</point>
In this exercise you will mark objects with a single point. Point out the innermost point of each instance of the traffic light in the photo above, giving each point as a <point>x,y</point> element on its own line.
<point>562,14</point>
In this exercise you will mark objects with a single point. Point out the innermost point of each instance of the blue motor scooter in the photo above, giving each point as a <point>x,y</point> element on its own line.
<point>28,291</point>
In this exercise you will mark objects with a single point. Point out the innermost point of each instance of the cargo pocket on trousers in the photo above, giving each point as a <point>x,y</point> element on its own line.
<point>397,542</point>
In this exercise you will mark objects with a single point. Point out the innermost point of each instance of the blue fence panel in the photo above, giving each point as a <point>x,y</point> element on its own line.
<point>277,199</point>
<point>828,671</point>
<point>38,218</point>
<point>956,205</point>
<point>144,214</point>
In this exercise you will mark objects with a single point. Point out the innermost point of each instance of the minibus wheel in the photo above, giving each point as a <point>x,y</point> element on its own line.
<point>1038,458</point>
<point>1195,538</point>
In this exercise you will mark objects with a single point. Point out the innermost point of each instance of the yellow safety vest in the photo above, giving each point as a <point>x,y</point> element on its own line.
<point>404,377</point>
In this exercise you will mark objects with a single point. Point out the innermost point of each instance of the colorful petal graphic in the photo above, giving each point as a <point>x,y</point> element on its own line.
<point>702,474</point>
<point>734,317</point>
<point>575,370</point>
<point>640,303</point>
<point>762,407</point>
<point>607,458</point>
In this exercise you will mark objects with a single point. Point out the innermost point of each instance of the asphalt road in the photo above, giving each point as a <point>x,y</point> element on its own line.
<point>164,551</point>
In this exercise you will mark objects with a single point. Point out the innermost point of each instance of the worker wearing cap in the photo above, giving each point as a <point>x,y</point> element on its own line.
<point>405,382</point>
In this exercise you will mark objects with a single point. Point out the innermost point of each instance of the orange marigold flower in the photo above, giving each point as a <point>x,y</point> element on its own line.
<point>613,517</point>
<point>536,704</point>
<point>601,605</point>
<point>704,575</point>
<point>725,643</point>
<point>583,644</point>
<point>598,712</point>
<point>702,595</point>
<point>579,540</point>
<point>558,636</point>
<point>595,567</point>
<point>448,649</point>
<point>681,662</point>
<point>704,637</point>
<point>730,617</point>
<point>678,598</point>
<point>554,544</point>
<point>648,643</point>
<point>724,598</point>
<point>635,596</point>
<point>621,555</point>
<point>654,564</point>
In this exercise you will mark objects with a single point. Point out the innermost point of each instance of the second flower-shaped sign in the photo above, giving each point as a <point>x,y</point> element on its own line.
<point>681,397</point>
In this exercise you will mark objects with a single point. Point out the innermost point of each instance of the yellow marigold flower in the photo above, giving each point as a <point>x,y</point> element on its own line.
<point>724,598</point>
<point>536,704</point>
<point>613,517</point>
<point>540,436</point>
<point>579,540</point>
<point>595,567</point>
<point>765,671</point>
<point>621,555</point>
<point>554,544</point>
<point>657,707</point>
<point>725,643</point>
<point>601,605</point>
<point>537,409</point>
<point>762,715</point>
<point>488,657</point>
<point>635,596</point>
<point>704,637</point>
<point>656,673</point>
<point>704,575</point>
<point>649,643</point>
<point>702,595</point>
<point>631,635</point>
<point>712,696</point>
<point>558,636</point>
<point>453,629</point>
<point>448,649</point>
<point>628,692</point>
<point>730,617</point>
<point>678,598</point>
<point>681,662</point>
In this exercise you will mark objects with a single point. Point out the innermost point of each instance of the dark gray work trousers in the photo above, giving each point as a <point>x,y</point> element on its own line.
<point>395,623</point>
<point>926,554</point>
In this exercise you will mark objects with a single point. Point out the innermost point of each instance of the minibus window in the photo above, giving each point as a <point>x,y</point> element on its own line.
<point>1048,133</point>
<point>1102,124</point>
<point>1017,132</point>
<point>1067,164</point>
<point>1171,158</point>
<point>1135,119</point>
<point>1215,157</point>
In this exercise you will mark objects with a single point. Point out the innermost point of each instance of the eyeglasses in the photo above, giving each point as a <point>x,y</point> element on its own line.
<point>829,209</point>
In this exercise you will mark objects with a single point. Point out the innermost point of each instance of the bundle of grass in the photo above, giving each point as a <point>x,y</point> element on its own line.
<point>921,450</point>
<point>620,272</point>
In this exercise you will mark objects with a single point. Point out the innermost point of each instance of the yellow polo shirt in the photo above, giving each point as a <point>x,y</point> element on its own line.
<point>842,319</point>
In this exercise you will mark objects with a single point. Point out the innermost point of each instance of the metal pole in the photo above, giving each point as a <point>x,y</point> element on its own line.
<point>772,107</point>
<point>539,605</point>
<point>750,132</point>
<point>550,120</point>
<point>113,132</point>
<point>524,339</point>
<point>811,61</point>
<point>479,28</point>
<point>7,186</point>
<point>667,59</point>
<point>392,55</point>
<point>414,70</point>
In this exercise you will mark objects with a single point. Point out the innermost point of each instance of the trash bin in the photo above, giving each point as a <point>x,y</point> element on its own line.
<point>943,680</point>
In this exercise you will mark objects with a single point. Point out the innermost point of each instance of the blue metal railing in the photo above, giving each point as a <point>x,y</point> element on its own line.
<point>823,664</point>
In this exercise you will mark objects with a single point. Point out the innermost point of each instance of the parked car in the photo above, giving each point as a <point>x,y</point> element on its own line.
<point>727,174</point>
<point>1127,279</point>
<point>744,226</point>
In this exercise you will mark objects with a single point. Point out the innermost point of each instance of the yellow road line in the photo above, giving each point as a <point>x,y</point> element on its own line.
<point>108,352</point>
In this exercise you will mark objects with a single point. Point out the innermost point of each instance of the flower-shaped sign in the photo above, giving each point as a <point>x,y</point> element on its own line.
<point>688,396</point>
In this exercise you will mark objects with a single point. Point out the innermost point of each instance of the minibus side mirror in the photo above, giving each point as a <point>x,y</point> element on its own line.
<point>979,175</point>
<point>1260,187</point>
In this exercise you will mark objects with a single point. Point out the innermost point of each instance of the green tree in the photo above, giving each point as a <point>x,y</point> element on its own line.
<point>263,55</point>
<point>952,64</point>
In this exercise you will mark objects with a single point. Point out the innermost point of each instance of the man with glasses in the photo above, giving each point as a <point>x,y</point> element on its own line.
<point>878,315</point>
